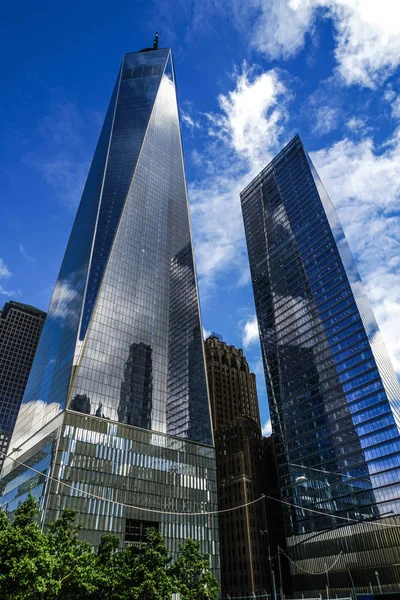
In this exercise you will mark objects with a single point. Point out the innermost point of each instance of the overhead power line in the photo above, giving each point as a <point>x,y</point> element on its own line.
<point>151,510</point>
<point>320,512</point>
<point>314,572</point>
<point>190,514</point>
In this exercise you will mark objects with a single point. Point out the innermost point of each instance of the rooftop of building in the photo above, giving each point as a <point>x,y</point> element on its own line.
<point>216,341</point>
<point>150,48</point>
<point>296,141</point>
<point>28,308</point>
<point>218,338</point>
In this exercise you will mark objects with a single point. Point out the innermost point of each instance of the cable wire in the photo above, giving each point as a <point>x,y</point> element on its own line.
<point>304,468</point>
<point>320,512</point>
<point>152,510</point>
<point>314,572</point>
<point>189,514</point>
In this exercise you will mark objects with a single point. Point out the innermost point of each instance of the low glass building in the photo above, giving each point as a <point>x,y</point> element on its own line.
<point>116,409</point>
<point>333,395</point>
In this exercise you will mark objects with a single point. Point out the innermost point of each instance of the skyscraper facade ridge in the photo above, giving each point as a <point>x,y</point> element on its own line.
<point>118,387</point>
<point>79,347</point>
<point>269,167</point>
<point>333,393</point>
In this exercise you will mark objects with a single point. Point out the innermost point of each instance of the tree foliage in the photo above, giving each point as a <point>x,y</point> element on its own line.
<point>74,560</point>
<point>108,569</point>
<point>57,565</point>
<point>25,558</point>
<point>195,580</point>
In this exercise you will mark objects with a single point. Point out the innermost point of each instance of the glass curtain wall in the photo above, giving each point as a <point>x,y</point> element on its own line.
<point>332,391</point>
<point>120,367</point>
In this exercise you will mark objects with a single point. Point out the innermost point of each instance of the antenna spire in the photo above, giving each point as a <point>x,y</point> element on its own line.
<point>155,43</point>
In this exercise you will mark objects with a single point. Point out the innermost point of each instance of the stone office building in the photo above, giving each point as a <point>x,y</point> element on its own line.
<point>240,476</point>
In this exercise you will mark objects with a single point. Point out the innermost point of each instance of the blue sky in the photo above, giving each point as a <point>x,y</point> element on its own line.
<point>250,75</point>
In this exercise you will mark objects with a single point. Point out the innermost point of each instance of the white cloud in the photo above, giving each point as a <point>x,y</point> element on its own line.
<point>393,99</point>
<point>250,332</point>
<point>251,118</point>
<point>64,293</point>
<point>389,94</point>
<point>355,124</point>
<point>217,228</point>
<point>267,428</point>
<point>64,175</point>
<point>365,188</point>
<point>281,26</point>
<point>25,254</point>
<point>367,33</point>
<point>9,293</point>
<point>396,108</point>
<point>383,290</point>
<point>243,135</point>
<point>206,333</point>
<point>4,271</point>
<point>188,120</point>
<point>257,367</point>
<point>63,127</point>
<point>62,154</point>
<point>326,120</point>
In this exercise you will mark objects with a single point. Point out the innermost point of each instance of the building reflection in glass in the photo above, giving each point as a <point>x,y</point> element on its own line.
<point>187,413</point>
<point>333,394</point>
<point>120,363</point>
<point>80,403</point>
<point>136,388</point>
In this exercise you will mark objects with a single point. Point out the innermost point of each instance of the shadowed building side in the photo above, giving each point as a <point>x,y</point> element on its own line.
<point>20,329</point>
<point>242,471</point>
<point>333,394</point>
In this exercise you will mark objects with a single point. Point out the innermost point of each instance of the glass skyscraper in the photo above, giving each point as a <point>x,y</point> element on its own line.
<point>333,395</point>
<point>117,405</point>
<point>20,329</point>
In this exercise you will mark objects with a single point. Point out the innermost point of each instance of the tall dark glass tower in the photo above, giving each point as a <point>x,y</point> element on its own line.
<point>20,329</point>
<point>117,404</point>
<point>333,394</point>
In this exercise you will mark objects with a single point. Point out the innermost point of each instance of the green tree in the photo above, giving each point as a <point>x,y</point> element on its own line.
<point>60,566</point>
<point>109,560</point>
<point>74,560</point>
<point>26,564</point>
<point>192,573</point>
<point>144,573</point>
<point>4,523</point>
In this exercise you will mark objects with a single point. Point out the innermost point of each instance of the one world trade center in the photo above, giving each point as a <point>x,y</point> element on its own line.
<point>115,420</point>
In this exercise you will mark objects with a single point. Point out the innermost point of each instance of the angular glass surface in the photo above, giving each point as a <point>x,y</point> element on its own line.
<point>148,298</point>
<point>47,388</point>
<point>121,358</point>
<point>141,76</point>
<point>332,391</point>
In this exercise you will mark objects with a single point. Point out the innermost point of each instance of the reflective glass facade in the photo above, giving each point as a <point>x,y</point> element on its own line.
<point>333,394</point>
<point>121,464</point>
<point>123,343</point>
<point>20,329</point>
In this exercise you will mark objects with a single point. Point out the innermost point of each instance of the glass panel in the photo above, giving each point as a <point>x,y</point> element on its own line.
<point>329,378</point>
